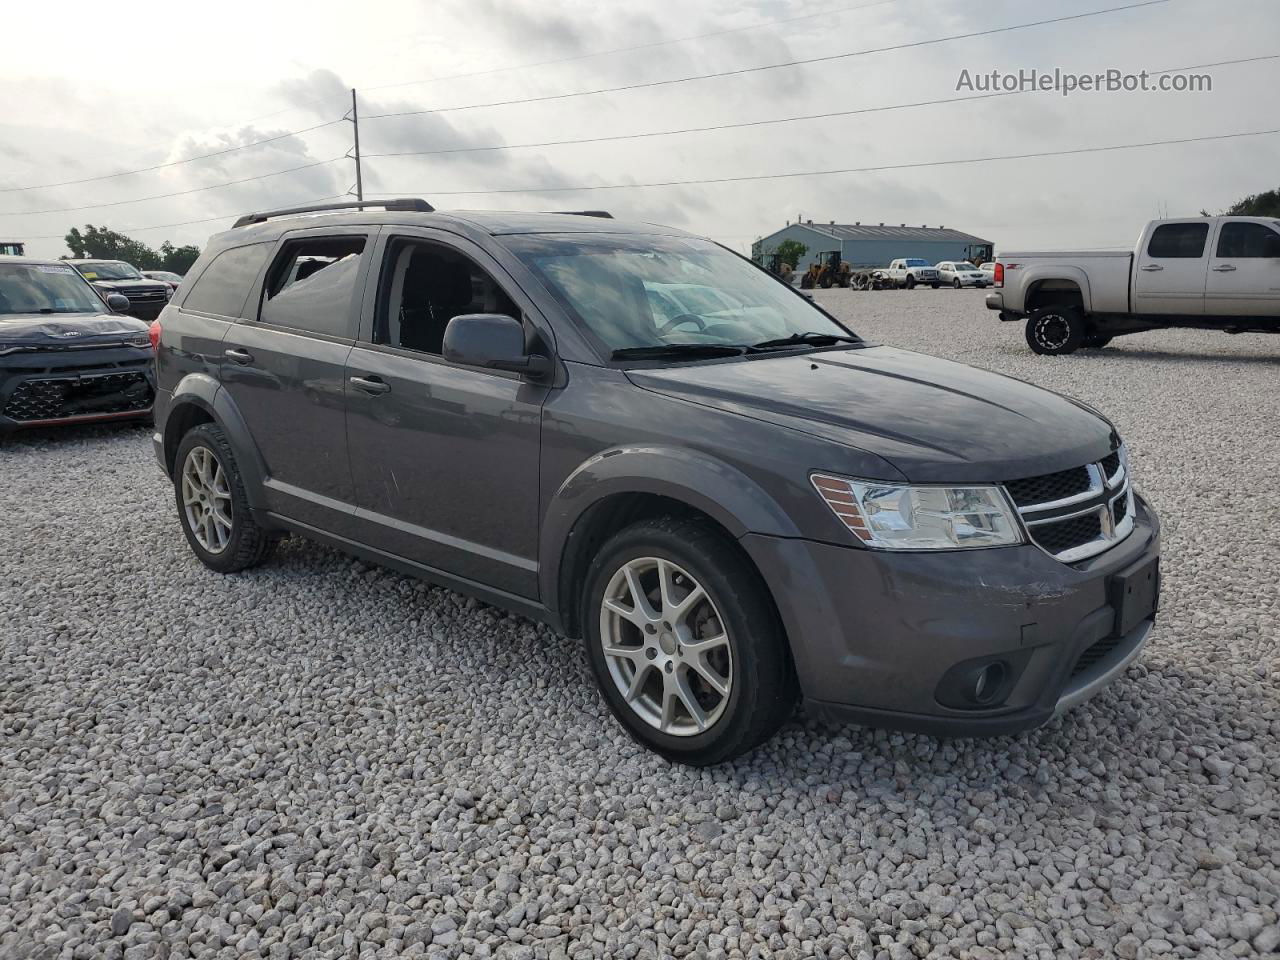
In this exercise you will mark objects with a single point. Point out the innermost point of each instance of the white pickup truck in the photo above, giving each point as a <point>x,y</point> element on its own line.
<point>1214,273</point>
<point>910,272</point>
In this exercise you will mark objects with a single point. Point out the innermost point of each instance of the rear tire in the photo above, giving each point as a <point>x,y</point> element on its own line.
<point>910,282</point>
<point>212,505</point>
<point>740,679</point>
<point>1055,331</point>
<point>956,283</point>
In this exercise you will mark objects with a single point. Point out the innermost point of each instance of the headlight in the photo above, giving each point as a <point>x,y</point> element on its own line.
<point>901,517</point>
<point>168,292</point>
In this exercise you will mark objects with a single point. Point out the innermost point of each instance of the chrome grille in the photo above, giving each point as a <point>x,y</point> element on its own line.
<point>1077,513</point>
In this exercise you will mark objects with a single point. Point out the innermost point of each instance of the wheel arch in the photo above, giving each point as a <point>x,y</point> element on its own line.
<point>200,399</point>
<point>1065,286</point>
<point>615,489</point>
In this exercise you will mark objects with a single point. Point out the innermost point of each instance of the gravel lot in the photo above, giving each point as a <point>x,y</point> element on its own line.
<point>323,759</point>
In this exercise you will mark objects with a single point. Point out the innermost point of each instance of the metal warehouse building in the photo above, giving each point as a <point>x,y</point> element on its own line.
<point>874,245</point>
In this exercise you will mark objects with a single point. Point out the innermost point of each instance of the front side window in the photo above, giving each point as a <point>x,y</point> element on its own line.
<point>1248,241</point>
<point>108,270</point>
<point>45,288</point>
<point>311,286</point>
<point>643,291</point>
<point>424,286</point>
<point>223,287</point>
<point>1178,241</point>
<point>917,263</point>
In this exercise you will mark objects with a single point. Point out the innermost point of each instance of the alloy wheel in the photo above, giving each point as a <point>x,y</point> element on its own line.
<point>206,499</point>
<point>666,646</point>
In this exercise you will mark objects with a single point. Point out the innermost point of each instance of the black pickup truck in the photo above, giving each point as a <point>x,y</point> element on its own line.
<point>146,297</point>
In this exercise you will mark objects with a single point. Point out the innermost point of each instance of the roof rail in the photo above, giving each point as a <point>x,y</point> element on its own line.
<point>413,204</point>
<point>603,214</point>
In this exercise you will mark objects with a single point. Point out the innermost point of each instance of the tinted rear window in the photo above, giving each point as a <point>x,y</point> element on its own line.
<point>1178,241</point>
<point>224,286</point>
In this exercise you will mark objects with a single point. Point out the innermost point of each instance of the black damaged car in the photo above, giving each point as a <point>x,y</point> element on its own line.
<point>66,353</point>
<point>146,297</point>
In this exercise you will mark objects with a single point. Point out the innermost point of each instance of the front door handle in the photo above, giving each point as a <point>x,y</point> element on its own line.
<point>1224,268</point>
<point>236,355</point>
<point>371,385</point>
<point>1151,267</point>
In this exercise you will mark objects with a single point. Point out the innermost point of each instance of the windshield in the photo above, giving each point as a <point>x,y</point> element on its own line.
<point>643,291</point>
<point>917,263</point>
<point>44,288</point>
<point>108,270</point>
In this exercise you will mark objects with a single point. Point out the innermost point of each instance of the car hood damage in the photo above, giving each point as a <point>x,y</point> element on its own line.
<point>53,331</point>
<point>934,420</point>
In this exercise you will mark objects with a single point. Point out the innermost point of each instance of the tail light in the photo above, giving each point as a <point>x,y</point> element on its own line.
<point>998,280</point>
<point>154,333</point>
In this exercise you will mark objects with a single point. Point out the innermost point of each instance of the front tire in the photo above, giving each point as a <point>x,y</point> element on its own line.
<point>212,505</point>
<point>934,286</point>
<point>910,283</point>
<point>1055,331</point>
<point>685,643</point>
<point>956,283</point>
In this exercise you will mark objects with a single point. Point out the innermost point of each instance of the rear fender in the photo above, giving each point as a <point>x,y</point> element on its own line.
<point>1050,276</point>
<point>205,392</point>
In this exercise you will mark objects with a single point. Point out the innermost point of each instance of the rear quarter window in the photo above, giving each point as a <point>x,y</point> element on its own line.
<point>223,287</point>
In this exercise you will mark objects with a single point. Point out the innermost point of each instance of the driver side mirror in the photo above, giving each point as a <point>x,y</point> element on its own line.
<point>118,302</point>
<point>493,341</point>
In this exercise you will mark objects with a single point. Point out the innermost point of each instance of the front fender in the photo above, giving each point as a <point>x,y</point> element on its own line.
<point>712,486</point>
<point>1038,275</point>
<point>204,392</point>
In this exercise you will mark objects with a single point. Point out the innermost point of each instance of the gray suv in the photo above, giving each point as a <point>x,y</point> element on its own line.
<point>648,442</point>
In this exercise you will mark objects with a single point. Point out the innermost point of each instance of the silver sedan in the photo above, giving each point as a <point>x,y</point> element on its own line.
<point>960,273</point>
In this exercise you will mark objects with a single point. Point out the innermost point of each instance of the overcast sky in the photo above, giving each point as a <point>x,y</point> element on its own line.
<point>139,84</point>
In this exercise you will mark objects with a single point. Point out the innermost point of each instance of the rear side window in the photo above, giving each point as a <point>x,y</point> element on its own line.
<point>224,286</point>
<point>1248,241</point>
<point>1178,241</point>
<point>312,284</point>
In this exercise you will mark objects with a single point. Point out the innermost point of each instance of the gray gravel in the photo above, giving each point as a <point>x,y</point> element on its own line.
<point>324,759</point>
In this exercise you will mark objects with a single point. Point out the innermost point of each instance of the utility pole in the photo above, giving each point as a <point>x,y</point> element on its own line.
<point>354,117</point>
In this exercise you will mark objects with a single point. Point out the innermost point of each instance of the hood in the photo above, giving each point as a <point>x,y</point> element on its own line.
<point>125,286</point>
<point>935,420</point>
<point>61,331</point>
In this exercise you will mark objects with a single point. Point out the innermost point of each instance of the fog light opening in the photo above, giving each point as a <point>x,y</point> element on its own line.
<point>987,682</point>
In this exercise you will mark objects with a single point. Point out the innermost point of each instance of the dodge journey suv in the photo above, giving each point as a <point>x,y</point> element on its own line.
<point>650,443</point>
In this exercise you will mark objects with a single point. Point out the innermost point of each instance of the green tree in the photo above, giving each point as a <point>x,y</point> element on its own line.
<point>1255,205</point>
<point>177,259</point>
<point>791,251</point>
<point>100,243</point>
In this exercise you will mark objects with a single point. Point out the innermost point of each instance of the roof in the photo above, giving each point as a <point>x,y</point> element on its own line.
<point>491,222</point>
<point>864,231</point>
<point>33,261</point>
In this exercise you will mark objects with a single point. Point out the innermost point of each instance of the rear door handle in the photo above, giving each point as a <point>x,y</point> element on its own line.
<point>236,355</point>
<point>371,385</point>
<point>1224,268</point>
<point>1151,267</point>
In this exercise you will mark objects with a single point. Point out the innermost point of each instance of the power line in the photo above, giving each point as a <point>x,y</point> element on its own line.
<point>165,196</point>
<point>173,163</point>
<point>771,66</point>
<point>827,173</point>
<point>184,223</point>
<point>639,46</point>
<point>777,120</point>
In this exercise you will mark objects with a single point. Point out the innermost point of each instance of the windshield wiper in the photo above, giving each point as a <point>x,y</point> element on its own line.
<point>812,339</point>
<point>684,351</point>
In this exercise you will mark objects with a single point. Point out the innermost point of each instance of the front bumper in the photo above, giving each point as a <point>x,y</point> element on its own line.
<point>53,387</point>
<point>875,635</point>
